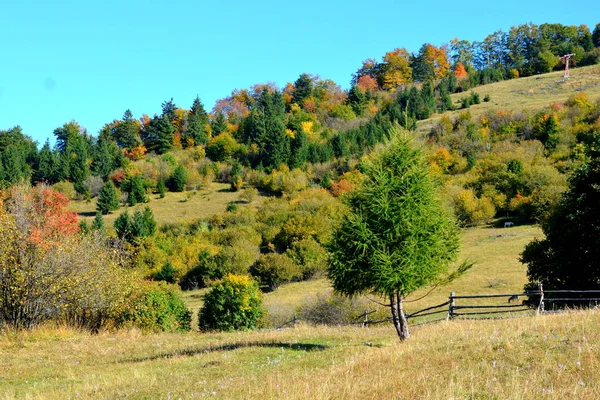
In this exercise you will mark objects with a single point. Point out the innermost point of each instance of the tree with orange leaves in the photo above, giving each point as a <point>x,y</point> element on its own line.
<point>395,69</point>
<point>460,71</point>
<point>431,63</point>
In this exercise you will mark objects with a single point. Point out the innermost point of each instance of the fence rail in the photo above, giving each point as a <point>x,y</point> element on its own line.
<point>454,311</point>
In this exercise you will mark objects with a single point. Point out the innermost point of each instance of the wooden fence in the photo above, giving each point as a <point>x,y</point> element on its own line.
<point>455,308</point>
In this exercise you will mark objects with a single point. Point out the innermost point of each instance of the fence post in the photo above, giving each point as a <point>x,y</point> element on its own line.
<point>450,307</point>
<point>366,319</point>
<point>540,307</point>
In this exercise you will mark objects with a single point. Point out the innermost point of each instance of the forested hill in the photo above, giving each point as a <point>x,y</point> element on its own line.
<point>311,121</point>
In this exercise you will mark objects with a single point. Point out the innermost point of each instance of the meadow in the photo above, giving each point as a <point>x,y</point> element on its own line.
<point>529,93</point>
<point>550,355</point>
<point>544,357</point>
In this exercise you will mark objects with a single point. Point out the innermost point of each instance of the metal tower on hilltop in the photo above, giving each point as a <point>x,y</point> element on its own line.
<point>565,59</point>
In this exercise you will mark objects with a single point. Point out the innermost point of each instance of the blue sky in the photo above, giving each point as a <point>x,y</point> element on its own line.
<point>92,60</point>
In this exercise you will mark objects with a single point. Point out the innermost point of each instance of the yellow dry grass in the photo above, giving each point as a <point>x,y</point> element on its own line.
<point>532,92</point>
<point>547,357</point>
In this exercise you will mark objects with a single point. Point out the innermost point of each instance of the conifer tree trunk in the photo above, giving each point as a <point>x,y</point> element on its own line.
<point>398,317</point>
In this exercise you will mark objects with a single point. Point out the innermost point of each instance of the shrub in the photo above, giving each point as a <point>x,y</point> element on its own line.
<point>233,303</point>
<point>231,207</point>
<point>134,186</point>
<point>93,185</point>
<point>249,194</point>
<point>273,269</point>
<point>333,310</point>
<point>50,273</point>
<point>66,188</point>
<point>160,187</point>
<point>156,306</point>
<point>107,201</point>
<point>177,180</point>
<point>310,256</point>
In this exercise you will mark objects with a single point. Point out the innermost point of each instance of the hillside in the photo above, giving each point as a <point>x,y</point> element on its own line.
<point>494,251</point>
<point>529,93</point>
<point>550,356</point>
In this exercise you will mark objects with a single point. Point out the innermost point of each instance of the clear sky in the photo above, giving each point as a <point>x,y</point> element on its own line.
<point>92,60</point>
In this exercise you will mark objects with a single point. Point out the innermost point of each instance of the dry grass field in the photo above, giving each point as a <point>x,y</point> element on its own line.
<point>544,357</point>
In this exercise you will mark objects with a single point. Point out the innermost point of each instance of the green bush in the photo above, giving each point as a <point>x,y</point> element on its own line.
<point>273,269</point>
<point>135,187</point>
<point>160,187</point>
<point>310,256</point>
<point>157,306</point>
<point>233,303</point>
<point>107,200</point>
<point>177,180</point>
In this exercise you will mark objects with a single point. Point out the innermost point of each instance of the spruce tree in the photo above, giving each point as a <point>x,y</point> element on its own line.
<point>196,123</point>
<point>107,199</point>
<point>123,226</point>
<point>126,134</point>
<point>160,187</point>
<point>303,88</point>
<point>137,192</point>
<point>177,180</point>
<point>219,124</point>
<point>149,221</point>
<point>98,224</point>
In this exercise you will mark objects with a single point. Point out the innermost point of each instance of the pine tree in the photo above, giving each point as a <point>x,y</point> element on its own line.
<point>123,226</point>
<point>219,124</point>
<point>98,224</point>
<point>196,123</point>
<point>160,187</point>
<point>303,88</point>
<point>177,180</point>
<point>107,199</point>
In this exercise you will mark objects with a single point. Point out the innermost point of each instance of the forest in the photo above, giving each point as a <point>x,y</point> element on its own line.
<point>301,149</point>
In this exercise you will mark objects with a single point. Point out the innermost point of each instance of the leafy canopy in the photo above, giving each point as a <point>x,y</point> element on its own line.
<point>397,236</point>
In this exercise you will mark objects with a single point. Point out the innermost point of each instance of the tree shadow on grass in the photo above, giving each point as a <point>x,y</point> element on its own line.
<point>190,352</point>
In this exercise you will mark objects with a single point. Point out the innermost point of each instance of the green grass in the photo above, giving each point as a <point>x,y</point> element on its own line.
<point>532,92</point>
<point>175,207</point>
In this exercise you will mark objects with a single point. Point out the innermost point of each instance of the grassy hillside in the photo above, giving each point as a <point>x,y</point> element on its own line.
<point>532,92</point>
<point>495,252</point>
<point>175,207</point>
<point>551,356</point>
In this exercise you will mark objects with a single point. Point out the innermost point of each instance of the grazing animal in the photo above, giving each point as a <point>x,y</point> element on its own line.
<point>508,224</point>
<point>512,298</point>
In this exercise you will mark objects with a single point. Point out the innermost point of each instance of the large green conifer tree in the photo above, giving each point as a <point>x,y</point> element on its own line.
<point>397,236</point>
